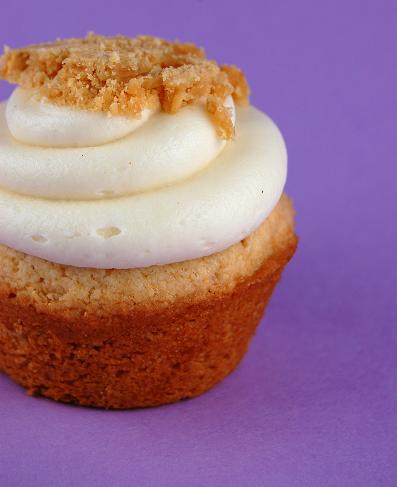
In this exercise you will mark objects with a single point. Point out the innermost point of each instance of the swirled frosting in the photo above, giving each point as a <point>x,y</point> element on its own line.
<point>83,189</point>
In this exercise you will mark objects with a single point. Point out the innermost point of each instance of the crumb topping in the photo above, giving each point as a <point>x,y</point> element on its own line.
<point>122,76</point>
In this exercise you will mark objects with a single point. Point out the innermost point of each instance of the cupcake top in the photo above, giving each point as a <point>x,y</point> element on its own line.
<point>123,152</point>
<point>123,76</point>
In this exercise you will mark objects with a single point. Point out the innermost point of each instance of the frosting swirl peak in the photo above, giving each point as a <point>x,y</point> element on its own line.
<point>157,150</point>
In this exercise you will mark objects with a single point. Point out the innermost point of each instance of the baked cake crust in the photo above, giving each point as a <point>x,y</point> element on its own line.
<point>166,333</point>
<point>122,76</point>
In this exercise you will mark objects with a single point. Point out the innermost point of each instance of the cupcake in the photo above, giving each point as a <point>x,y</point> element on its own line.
<point>143,224</point>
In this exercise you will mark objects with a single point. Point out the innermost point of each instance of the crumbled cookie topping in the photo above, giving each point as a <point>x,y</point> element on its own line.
<point>122,76</point>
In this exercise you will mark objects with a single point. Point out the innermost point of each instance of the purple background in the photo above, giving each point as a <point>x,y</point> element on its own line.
<point>315,401</point>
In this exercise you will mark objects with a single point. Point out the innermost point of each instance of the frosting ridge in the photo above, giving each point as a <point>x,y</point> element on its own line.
<point>164,149</point>
<point>35,121</point>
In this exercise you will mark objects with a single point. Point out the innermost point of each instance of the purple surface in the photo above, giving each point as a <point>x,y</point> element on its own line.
<point>315,401</point>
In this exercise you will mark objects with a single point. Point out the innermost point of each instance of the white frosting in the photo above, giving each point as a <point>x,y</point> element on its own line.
<point>38,122</point>
<point>218,203</point>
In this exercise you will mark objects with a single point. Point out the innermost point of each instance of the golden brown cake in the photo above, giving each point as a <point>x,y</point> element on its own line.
<point>137,337</point>
<point>114,316</point>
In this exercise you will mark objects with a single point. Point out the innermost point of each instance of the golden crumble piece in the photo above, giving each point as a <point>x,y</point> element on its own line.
<point>123,76</point>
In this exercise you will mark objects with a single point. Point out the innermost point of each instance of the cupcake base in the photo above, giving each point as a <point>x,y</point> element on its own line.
<point>141,345</point>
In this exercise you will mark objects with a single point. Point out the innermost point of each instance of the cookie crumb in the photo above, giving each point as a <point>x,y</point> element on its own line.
<point>122,76</point>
